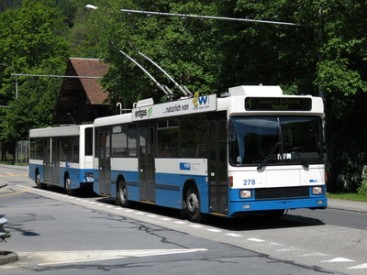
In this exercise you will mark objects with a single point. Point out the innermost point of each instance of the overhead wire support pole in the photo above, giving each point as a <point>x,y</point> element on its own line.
<point>57,76</point>
<point>210,17</point>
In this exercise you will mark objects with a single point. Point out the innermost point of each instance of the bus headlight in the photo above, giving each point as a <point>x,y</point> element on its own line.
<point>245,194</point>
<point>317,190</point>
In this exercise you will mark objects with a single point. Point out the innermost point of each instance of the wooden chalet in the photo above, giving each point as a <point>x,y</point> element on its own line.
<point>81,98</point>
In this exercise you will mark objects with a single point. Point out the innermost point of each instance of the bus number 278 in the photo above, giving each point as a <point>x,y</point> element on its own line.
<point>248,182</point>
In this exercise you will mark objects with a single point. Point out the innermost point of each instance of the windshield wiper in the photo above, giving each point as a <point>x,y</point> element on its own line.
<point>303,161</point>
<point>267,158</point>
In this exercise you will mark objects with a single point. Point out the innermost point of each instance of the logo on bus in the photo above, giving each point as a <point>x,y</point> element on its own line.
<point>185,166</point>
<point>199,100</point>
<point>144,113</point>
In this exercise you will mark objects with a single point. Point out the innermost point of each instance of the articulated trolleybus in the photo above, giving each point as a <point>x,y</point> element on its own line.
<point>62,156</point>
<point>253,150</point>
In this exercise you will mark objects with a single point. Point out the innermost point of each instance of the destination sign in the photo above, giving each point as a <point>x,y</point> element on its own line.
<point>278,104</point>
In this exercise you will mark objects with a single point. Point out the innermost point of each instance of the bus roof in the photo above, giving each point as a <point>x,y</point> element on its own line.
<point>264,100</point>
<point>111,120</point>
<point>255,90</point>
<point>70,130</point>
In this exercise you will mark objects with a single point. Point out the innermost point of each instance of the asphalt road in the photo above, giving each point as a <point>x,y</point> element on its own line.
<point>57,234</point>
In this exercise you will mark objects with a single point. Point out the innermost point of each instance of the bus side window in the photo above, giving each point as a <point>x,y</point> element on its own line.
<point>193,145</point>
<point>167,133</point>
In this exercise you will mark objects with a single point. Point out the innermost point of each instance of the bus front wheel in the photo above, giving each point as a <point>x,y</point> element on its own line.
<point>121,198</point>
<point>192,206</point>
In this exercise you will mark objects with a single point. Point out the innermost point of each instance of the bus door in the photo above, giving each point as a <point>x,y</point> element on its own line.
<point>147,163</point>
<point>51,161</point>
<point>104,162</point>
<point>217,166</point>
<point>47,160</point>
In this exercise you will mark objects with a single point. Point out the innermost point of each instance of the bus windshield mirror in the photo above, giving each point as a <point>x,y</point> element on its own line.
<point>267,158</point>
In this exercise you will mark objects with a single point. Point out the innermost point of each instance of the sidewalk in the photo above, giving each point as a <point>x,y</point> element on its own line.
<point>17,167</point>
<point>347,205</point>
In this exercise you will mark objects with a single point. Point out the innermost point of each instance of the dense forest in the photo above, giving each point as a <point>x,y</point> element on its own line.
<point>323,52</point>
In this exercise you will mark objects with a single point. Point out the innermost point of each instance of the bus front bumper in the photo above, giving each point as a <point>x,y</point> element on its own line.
<point>243,207</point>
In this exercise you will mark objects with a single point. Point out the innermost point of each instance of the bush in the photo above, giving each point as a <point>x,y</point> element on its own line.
<point>363,188</point>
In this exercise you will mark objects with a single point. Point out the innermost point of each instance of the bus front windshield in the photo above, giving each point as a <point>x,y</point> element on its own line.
<point>275,140</point>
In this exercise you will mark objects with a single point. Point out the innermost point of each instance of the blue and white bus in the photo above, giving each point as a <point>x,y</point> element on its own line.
<point>251,150</point>
<point>62,156</point>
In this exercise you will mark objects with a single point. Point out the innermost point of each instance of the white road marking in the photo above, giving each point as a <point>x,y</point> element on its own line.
<point>255,240</point>
<point>361,266</point>
<point>338,260</point>
<point>289,249</point>
<point>196,225</point>
<point>213,230</point>
<point>233,235</point>
<point>314,254</point>
<point>69,257</point>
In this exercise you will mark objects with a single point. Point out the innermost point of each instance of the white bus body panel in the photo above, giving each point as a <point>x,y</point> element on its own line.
<point>277,176</point>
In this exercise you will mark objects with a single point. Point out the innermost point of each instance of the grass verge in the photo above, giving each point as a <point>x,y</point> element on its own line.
<point>348,196</point>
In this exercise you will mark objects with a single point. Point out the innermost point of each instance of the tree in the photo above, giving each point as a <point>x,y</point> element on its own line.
<point>342,76</point>
<point>31,41</point>
<point>324,55</point>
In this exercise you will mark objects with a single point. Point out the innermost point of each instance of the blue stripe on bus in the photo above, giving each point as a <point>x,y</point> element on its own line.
<point>77,176</point>
<point>169,193</point>
<point>168,190</point>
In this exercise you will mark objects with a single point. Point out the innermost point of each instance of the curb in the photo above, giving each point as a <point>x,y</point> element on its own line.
<point>7,257</point>
<point>347,205</point>
<point>16,167</point>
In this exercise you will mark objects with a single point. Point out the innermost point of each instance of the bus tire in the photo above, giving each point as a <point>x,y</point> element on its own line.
<point>38,180</point>
<point>192,205</point>
<point>122,197</point>
<point>67,186</point>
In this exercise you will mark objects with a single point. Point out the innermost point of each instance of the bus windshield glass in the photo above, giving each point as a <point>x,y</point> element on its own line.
<point>275,140</point>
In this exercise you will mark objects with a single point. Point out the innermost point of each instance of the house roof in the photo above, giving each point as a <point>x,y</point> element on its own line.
<point>81,99</point>
<point>91,67</point>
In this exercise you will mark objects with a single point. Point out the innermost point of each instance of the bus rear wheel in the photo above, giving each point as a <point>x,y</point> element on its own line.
<point>121,198</point>
<point>38,180</point>
<point>67,186</point>
<point>192,205</point>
